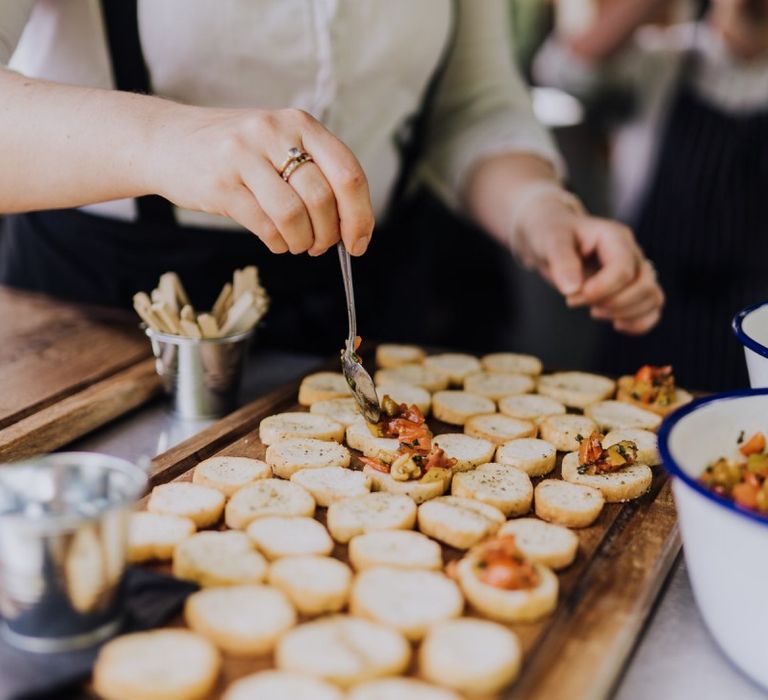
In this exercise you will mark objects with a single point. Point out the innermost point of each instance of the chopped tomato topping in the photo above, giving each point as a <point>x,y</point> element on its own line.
<point>501,565</point>
<point>755,445</point>
<point>654,385</point>
<point>590,449</point>
<point>358,341</point>
<point>438,459</point>
<point>595,459</point>
<point>745,494</point>
<point>377,464</point>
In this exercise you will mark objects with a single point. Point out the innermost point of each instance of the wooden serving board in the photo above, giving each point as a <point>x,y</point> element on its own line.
<point>65,370</point>
<point>605,596</point>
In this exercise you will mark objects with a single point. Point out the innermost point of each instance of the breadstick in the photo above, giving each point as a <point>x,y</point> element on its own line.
<point>187,313</point>
<point>168,295</point>
<point>238,313</point>
<point>190,328</point>
<point>208,326</point>
<point>168,317</point>
<point>223,302</point>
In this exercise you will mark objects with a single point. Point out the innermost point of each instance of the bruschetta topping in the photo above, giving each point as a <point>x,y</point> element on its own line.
<point>500,564</point>
<point>596,459</point>
<point>743,481</point>
<point>654,385</point>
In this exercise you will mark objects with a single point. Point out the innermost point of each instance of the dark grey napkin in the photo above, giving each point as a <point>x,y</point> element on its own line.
<point>151,600</point>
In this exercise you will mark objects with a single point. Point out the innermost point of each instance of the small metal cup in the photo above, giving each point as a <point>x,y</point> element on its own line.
<point>63,544</point>
<point>202,376</point>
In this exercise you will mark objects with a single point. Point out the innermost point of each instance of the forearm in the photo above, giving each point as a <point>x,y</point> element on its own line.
<point>66,146</point>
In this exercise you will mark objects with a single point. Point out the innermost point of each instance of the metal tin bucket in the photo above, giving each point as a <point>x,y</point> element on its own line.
<point>63,544</point>
<point>202,376</point>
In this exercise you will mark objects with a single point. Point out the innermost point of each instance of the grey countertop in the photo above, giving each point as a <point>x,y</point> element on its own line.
<point>675,657</point>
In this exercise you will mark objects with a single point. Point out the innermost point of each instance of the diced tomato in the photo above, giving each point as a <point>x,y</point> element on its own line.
<point>358,340</point>
<point>751,479</point>
<point>755,445</point>
<point>746,494</point>
<point>502,566</point>
<point>644,374</point>
<point>412,413</point>
<point>377,464</point>
<point>590,449</point>
<point>438,459</point>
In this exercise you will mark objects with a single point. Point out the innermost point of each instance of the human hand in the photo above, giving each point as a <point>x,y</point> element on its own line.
<point>593,262</point>
<point>227,161</point>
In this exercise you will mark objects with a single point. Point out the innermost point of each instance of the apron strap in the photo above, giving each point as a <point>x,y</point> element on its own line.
<point>121,25</point>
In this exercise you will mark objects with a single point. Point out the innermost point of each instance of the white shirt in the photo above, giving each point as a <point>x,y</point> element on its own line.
<point>650,68</point>
<point>359,66</point>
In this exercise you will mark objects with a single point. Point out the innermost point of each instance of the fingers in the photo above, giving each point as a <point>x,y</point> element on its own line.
<point>639,325</point>
<point>310,184</point>
<point>244,209</point>
<point>642,296</point>
<point>563,263</point>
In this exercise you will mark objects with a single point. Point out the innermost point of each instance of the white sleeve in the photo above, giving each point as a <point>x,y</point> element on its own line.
<point>14,15</point>
<point>482,107</point>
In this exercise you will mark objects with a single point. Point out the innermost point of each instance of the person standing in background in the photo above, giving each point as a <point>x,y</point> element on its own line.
<point>690,167</point>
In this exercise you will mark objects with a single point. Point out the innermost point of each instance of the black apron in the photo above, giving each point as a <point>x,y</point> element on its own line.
<point>704,224</point>
<point>425,275</point>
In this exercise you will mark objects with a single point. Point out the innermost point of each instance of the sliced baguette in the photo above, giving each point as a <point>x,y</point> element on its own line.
<point>330,484</point>
<point>219,559</point>
<point>498,429</point>
<point>416,489</point>
<point>459,522</point>
<point>647,444</point>
<point>617,415</point>
<point>201,504</point>
<point>455,365</point>
<point>468,451</point>
<point>511,363</point>
<point>623,485</point>
<point>360,438</point>
<point>153,537</point>
<point>266,498</point>
<point>533,456</point>
<point>276,685</point>
<point>408,394</point>
<point>409,601</point>
<point>456,407</point>
<point>322,386</point>
<point>496,386</point>
<point>624,393</point>
<point>506,488</point>
<point>299,425</point>
<point>576,389</point>
<point>403,549</point>
<point>533,407</point>
<point>418,375</point>
<point>545,543</point>
<point>228,474</point>
<point>393,355</point>
<point>564,503</point>
<point>400,689</point>
<point>290,455</point>
<point>344,411</point>
<point>374,511</point>
<point>564,431</point>
<point>278,537</point>
<point>315,585</point>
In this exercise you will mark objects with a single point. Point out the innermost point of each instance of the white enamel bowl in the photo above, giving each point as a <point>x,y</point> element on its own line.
<point>726,547</point>
<point>751,328</point>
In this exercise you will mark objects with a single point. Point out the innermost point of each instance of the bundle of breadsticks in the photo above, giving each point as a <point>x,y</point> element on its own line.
<point>241,304</point>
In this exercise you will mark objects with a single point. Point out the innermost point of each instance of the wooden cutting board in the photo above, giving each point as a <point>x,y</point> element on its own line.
<point>65,370</point>
<point>605,596</point>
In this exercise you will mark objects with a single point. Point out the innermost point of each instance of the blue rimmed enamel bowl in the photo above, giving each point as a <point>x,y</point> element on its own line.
<point>750,326</point>
<point>725,546</point>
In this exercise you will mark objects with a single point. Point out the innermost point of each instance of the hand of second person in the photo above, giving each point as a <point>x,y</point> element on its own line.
<point>620,288</point>
<point>227,161</point>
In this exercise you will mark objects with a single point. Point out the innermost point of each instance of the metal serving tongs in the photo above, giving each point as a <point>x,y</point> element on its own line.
<point>358,379</point>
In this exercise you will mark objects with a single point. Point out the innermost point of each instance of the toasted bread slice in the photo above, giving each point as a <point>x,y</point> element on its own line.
<point>532,407</point>
<point>276,685</point>
<point>623,485</point>
<point>618,415</point>
<point>299,425</point>
<point>266,498</point>
<point>228,474</point>
<point>564,431</point>
<point>408,600</point>
<point>409,394</point>
<point>471,656</point>
<point>219,559</point>
<point>506,488</point>
<point>576,389</point>
<point>360,438</point>
<point>456,407</point>
<point>552,545</point>
<point>498,429</point>
<point>343,650</point>
<point>315,585</point>
<point>511,363</point>
<point>344,411</point>
<point>155,537</point>
<point>417,489</point>
<point>646,442</point>
<point>390,355</point>
<point>418,375</point>
<point>459,522</point>
<point>564,503</point>
<point>374,511</point>
<point>455,365</point>
<point>496,386</point>
<point>290,455</point>
<point>624,393</point>
<point>400,689</point>
<point>241,620</point>
<point>278,537</point>
<point>533,456</point>
<point>330,484</point>
<point>468,451</point>
<point>322,386</point>
<point>402,549</point>
<point>521,605</point>
<point>201,504</point>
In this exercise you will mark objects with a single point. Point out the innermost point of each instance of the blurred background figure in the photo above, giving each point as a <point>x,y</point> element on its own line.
<point>685,104</point>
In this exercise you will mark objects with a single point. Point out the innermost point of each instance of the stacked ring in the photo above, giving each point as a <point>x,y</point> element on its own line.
<point>296,158</point>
